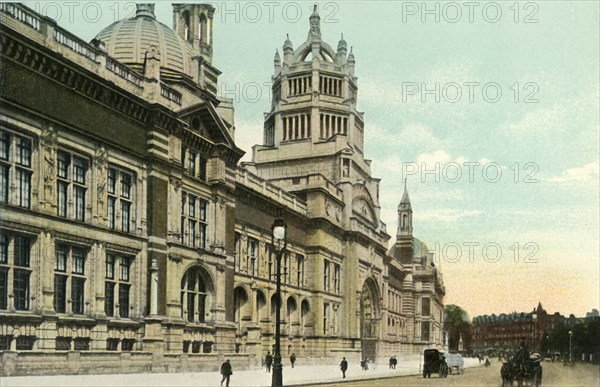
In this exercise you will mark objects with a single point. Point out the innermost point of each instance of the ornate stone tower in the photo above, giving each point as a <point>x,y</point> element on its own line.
<point>313,148</point>
<point>314,130</point>
<point>194,24</point>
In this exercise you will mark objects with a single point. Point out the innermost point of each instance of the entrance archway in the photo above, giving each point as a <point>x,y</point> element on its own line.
<point>369,319</point>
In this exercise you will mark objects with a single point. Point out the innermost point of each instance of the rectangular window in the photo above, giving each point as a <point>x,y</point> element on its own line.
<point>120,283</point>
<point>63,343</point>
<point>79,203</point>
<point>112,344</point>
<point>78,262</point>
<point>325,318</point>
<point>127,345</point>
<point>109,298</point>
<point>124,269</point>
<point>203,225</point>
<point>425,306</point>
<point>70,265</point>
<point>25,343</point>
<point>125,186</point>
<point>15,153</point>
<point>326,276</point>
<point>60,293</point>
<point>4,178</point>
<point>23,151</point>
<point>4,146</point>
<point>112,181</point>
<point>72,185</point>
<point>3,287</point>
<point>124,300</point>
<point>16,259</point>
<point>64,160</point>
<point>192,163</point>
<point>125,215</point>
<point>62,189</point>
<point>238,253</point>
<point>81,344</point>
<point>61,260</point>
<point>23,179</point>
<point>300,270</point>
<point>22,251</point>
<point>252,253</point>
<point>203,163</point>
<point>21,289</point>
<point>77,294</point>
<point>193,221</point>
<point>286,268</point>
<point>79,168</point>
<point>120,199</point>
<point>4,241</point>
<point>336,278</point>
<point>112,212</point>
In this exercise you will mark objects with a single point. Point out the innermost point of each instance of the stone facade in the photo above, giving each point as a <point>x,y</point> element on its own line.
<point>132,239</point>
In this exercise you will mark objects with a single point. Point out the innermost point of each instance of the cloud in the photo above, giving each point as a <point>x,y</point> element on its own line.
<point>587,173</point>
<point>540,121</point>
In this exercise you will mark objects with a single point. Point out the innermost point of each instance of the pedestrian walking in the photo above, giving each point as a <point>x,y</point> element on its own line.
<point>391,365</point>
<point>293,359</point>
<point>268,361</point>
<point>395,362</point>
<point>226,372</point>
<point>365,364</point>
<point>344,367</point>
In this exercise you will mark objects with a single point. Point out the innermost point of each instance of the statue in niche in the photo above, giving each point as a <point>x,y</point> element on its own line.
<point>100,162</point>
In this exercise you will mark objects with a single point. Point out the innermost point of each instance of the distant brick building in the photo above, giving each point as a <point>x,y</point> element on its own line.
<point>506,331</point>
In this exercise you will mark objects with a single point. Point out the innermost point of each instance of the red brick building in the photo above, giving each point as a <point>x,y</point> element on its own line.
<point>494,333</point>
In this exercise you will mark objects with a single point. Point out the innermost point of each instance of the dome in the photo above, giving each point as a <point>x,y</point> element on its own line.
<point>128,41</point>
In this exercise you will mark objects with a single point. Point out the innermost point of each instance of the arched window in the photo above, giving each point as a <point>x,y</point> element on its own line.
<point>261,306</point>
<point>240,299</point>
<point>291,313</point>
<point>202,31</point>
<point>186,25</point>
<point>194,295</point>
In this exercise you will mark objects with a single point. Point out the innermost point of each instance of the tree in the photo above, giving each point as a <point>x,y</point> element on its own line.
<point>457,324</point>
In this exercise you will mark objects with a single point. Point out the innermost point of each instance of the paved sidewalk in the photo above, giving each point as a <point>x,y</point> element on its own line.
<point>300,375</point>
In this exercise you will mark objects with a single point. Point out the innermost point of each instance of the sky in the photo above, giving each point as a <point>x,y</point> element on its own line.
<point>489,109</point>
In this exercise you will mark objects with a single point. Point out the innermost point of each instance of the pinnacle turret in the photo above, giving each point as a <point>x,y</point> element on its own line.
<point>315,24</point>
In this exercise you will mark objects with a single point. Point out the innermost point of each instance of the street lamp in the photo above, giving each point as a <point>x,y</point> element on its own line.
<point>278,235</point>
<point>533,320</point>
<point>570,347</point>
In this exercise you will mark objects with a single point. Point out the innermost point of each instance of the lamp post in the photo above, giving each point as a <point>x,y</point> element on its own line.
<point>278,234</point>
<point>570,347</point>
<point>533,320</point>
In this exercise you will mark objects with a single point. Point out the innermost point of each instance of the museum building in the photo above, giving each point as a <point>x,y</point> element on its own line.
<point>132,239</point>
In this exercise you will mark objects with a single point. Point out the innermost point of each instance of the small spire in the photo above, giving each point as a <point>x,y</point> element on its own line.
<point>287,44</point>
<point>315,12</point>
<point>405,202</point>
<point>342,45</point>
<point>315,23</point>
<point>351,55</point>
<point>277,57</point>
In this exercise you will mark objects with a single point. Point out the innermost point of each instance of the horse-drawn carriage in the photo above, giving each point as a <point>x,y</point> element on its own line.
<point>434,362</point>
<point>522,369</point>
<point>455,363</point>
